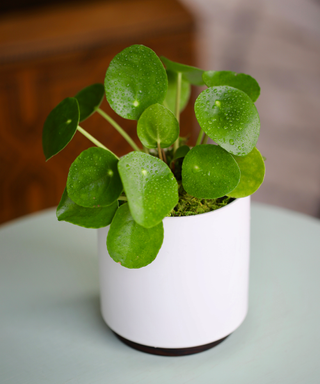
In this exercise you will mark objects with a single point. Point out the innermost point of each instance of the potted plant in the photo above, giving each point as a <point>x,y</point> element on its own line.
<point>174,220</point>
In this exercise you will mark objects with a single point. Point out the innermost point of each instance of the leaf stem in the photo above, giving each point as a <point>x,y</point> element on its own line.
<point>164,156</point>
<point>93,140</point>
<point>123,198</point>
<point>205,139</point>
<point>199,139</point>
<point>119,129</point>
<point>160,151</point>
<point>178,94</point>
<point>177,109</point>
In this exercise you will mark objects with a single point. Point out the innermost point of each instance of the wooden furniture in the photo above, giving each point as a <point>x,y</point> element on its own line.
<point>52,331</point>
<point>51,53</point>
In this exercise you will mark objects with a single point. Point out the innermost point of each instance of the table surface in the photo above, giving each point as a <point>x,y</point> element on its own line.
<point>51,330</point>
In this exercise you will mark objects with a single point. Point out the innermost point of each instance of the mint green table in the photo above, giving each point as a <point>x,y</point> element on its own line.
<point>51,331</point>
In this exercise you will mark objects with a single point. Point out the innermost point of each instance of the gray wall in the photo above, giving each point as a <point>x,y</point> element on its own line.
<point>278,43</point>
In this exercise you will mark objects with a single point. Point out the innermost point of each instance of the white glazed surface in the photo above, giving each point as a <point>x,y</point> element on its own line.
<point>196,290</point>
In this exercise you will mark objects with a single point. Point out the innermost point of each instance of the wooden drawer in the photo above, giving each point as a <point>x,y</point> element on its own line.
<point>52,53</point>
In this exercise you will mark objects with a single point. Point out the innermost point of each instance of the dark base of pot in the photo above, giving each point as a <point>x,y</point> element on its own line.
<point>169,351</point>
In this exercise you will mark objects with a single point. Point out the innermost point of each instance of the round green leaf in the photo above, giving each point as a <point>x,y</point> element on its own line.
<point>252,169</point>
<point>192,74</point>
<point>229,117</point>
<point>89,100</point>
<point>73,213</point>
<point>209,172</point>
<point>93,178</point>
<point>135,80</point>
<point>130,244</point>
<point>157,124</point>
<point>60,127</point>
<point>170,100</point>
<point>150,186</point>
<point>240,81</point>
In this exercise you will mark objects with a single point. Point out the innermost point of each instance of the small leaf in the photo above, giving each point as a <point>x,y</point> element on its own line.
<point>89,100</point>
<point>60,127</point>
<point>208,172</point>
<point>240,81</point>
<point>157,124</point>
<point>93,178</point>
<point>73,213</point>
<point>181,152</point>
<point>229,117</point>
<point>135,80</point>
<point>150,186</point>
<point>252,174</point>
<point>170,100</point>
<point>176,166</point>
<point>192,74</point>
<point>130,244</point>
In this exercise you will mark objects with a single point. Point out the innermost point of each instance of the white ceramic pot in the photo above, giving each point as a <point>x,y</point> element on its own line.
<point>196,290</point>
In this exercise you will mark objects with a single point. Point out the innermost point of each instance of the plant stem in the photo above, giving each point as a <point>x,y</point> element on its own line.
<point>93,140</point>
<point>177,109</point>
<point>123,198</point>
<point>145,149</point>
<point>160,151</point>
<point>119,129</point>
<point>178,94</point>
<point>164,156</point>
<point>199,139</point>
<point>205,139</point>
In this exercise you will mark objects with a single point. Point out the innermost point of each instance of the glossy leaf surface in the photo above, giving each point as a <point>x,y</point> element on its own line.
<point>60,127</point>
<point>170,99</point>
<point>157,124</point>
<point>135,80</point>
<point>192,74</point>
<point>229,117</point>
<point>130,244</point>
<point>93,178</point>
<point>208,172</point>
<point>89,99</point>
<point>150,186</point>
<point>73,213</point>
<point>252,169</point>
<point>240,81</point>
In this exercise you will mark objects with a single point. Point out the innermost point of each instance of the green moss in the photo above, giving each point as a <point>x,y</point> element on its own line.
<point>189,205</point>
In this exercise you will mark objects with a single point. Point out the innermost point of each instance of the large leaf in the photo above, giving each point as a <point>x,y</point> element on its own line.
<point>89,100</point>
<point>93,179</point>
<point>208,172</point>
<point>150,186</point>
<point>170,100</point>
<point>229,117</point>
<point>157,125</point>
<point>60,127</point>
<point>135,80</point>
<point>252,169</point>
<point>240,81</point>
<point>73,213</point>
<point>130,244</point>
<point>192,74</point>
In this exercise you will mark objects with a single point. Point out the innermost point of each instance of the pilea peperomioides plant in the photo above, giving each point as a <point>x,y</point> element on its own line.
<point>165,177</point>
